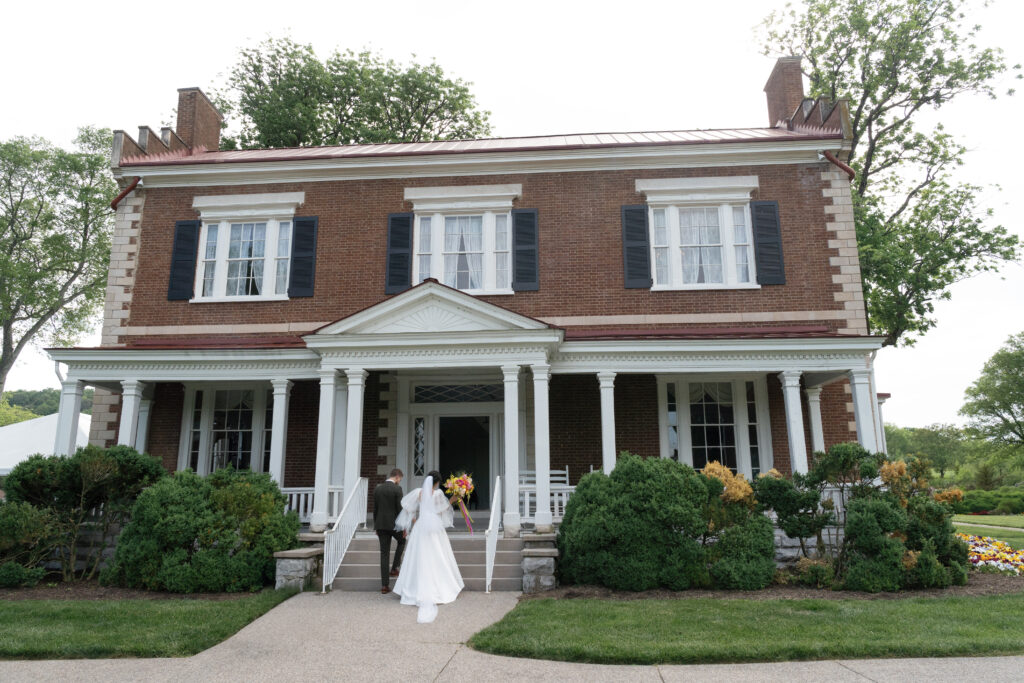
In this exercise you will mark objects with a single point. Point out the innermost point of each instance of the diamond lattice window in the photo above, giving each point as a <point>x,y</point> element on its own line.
<point>458,393</point>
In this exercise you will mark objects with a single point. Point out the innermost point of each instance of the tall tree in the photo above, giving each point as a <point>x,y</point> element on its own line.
<point>283,95</point>
<point>995,402</point>
<point>55,224</point>
<point>919,230</point>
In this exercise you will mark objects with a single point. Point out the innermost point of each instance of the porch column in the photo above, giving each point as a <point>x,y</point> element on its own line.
<point>279,428</point>
<point>142,433</point>
<point>606,381</point>
<point>324,444</point>
<point>511,518</point>
<point>354,429</point>
<point>67,419</point>
<point>884,444</point>
<point>814,408</point>
<point>541,447</point>
<point>794,420</point>
<point>131,398</point>
<point>340,435</point>
<point>863,408</point>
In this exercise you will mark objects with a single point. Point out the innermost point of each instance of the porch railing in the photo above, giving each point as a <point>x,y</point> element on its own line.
<point>338,537</point>
<point>300,499</point>
<point>491,535</point>
<point>560,494</point>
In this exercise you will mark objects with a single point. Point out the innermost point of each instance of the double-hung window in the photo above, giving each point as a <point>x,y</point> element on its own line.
<point>716,419</point>
<point>462,236</point>
<point>700,232</point>
<point>245,246</point>
<point>226,426</point>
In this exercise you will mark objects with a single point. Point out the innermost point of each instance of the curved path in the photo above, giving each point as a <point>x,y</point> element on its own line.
<point>370,637</point>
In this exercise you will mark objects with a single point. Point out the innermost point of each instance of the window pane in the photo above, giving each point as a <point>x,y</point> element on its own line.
<point>673,422</point>
<point>463,262</point>
<point>284,239</point>
<point>742,266</point>
<point>424,235</point>
<point>424,267</point>
<point>232,438</point>
<point>419,453</point>
<point>739,225</point>
<point>211,241</point>
<point>660,231</point>
<point>712,429</point>
<point>501,270</point>
<point>501,233</point>
<point>281,283</point>
<point>661,265</point>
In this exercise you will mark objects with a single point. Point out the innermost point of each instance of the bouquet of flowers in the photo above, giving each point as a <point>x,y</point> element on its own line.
<point>461,485</point>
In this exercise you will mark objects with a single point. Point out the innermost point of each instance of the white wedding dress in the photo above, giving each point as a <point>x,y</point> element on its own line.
<point>429,575</point>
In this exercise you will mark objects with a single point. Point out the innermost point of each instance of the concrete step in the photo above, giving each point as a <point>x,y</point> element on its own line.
<point>461,556</point>
<point>472,584</point>
<point>458,543</point>
<point>469,571</point>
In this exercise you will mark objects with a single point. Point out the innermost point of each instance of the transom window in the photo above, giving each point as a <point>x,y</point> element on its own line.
<point>244,259</point>
<point>716,420</point>
<point>702,247</point>
<point>467,252</point>
<point>227,427</point>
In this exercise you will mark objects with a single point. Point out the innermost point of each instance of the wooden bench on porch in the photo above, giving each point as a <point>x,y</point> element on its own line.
<point>560,492</point>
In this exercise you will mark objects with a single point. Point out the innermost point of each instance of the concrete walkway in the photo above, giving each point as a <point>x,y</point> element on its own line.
<point>370,637</point>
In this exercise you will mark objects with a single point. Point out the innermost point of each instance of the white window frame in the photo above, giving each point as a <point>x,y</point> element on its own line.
<point>262,393</point>
<point>672,195</point>
<point>438,203</point>
<point>222,211</point>
<point>739,397</point>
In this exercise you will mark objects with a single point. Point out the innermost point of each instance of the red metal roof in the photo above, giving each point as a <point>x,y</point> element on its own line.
<point>518,144</point>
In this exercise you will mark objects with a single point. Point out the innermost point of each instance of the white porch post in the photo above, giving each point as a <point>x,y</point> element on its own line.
<point>279,428</point>
<point>794,420</point>
<point>354,428</point>
<point>884,444</point>
<point>606,381</point>
<point>511,518</point>
<point>324,444</point>
<point>541,448</point>
<point>142,433</point>
<point>131,399</point>
<point>863,408</point>
<point>340,435</point>
<point>814,408</point>
<point>67,420</point>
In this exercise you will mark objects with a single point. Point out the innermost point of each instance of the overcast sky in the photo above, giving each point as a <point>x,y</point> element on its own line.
<point>538,67</point>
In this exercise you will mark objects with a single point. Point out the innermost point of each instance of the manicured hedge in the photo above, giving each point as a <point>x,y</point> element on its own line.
<point>1007,500</point>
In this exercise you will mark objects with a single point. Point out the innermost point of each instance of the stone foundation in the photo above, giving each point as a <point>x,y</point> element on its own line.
<point>298,568</point>
<point>540,558</point>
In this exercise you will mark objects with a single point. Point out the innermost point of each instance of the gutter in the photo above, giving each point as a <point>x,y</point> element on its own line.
<point>125,192</point>
<point>844,167</point>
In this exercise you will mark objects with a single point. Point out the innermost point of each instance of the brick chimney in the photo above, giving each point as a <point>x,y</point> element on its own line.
<point>198,120</point>
<point>784,89</point>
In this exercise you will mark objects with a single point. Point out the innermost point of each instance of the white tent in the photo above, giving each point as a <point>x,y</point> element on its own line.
<point>22,439</point>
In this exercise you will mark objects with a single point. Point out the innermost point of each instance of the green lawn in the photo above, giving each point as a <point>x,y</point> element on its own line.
<point>1011,537</point>
<point>711,630</point>
<point>74,629</point>
<point>1015,521</point>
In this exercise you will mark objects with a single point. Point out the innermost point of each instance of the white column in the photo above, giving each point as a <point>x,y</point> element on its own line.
<point>354,428</point>
<point>279,428</point>
<point>876,413</point>
<point>142,433</point>
<point>340,434</point>
<point>542,447</point>
<point>863,408</point>
<point>131,399</point>
<point>606,381</point>
<point>885,444</point>
<point>67,418</point>
<point>511,518</point>
<point>324,445</point>
<point>814,408</point>
<point>794,420</point>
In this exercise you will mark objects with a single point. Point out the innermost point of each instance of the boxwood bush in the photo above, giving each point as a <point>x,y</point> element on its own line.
<point>656,523</point>
<point>196,534</point>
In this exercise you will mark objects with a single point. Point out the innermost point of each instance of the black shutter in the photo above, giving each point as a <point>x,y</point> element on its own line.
<point>183,261</point>
<point>303,266</point>
<point>525,255</point>
<point>636,247</point>
<point>767,243</point>
<point>398,270</point>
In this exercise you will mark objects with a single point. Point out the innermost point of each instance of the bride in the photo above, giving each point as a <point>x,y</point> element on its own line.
<point>429,575</point>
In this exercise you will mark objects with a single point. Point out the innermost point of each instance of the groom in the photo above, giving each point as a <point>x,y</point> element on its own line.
<point>387,503</point>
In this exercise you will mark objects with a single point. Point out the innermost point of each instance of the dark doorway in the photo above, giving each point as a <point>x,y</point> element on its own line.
<point>465,447</point>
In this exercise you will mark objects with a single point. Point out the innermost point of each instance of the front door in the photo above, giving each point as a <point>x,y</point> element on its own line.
<point>464,446</point>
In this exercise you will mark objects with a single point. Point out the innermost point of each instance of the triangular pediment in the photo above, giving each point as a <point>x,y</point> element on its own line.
<point>431,308</point>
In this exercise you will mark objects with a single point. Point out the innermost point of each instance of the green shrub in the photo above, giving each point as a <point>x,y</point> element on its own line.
<point>27,534</point>
<point>192,534</point>
<point>930,523</point>
<point>872,554</point>
<point>637,529</point>
<point>745,555</point>
<point>797,506</point>
<point>13,575</point>
<point>816,573</point>
<point>927,571</point>
<point>1007,500</point>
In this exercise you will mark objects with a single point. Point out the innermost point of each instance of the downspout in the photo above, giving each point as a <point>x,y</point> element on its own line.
<point>131,186</point>
<point>846,168</point>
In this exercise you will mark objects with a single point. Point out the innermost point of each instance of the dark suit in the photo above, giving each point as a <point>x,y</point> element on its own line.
<point>387,503</point>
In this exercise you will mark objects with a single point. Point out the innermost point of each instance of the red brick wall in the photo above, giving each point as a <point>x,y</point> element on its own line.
<point>165,423</point>
<point>580,243</point>
<point>834,420</point>
<point>300,447</point>
<point>636,415</point>
<point>575,424</point>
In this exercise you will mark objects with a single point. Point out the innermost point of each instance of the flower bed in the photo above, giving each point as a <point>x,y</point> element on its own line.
<point>986,551</point>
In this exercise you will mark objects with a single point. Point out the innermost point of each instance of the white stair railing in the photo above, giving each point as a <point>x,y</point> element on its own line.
<point>339,536</point>
<point>491,535</point>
